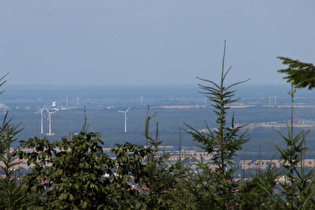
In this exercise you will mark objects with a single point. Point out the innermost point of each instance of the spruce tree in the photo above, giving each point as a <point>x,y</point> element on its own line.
<point>2,81</point>
<point>298,187</point>
<point>217,188</point>
<point>149,169</point>
<point>11,189</point>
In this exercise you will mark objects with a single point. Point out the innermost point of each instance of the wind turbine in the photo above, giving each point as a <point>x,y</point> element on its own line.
<point>125,118</point>
<point>49,118</point>
<point>41,119</point>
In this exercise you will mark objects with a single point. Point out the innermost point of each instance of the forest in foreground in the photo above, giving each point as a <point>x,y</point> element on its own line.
<point>76,173</point>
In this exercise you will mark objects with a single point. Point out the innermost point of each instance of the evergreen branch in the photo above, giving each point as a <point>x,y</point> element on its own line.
<point>299,74</point>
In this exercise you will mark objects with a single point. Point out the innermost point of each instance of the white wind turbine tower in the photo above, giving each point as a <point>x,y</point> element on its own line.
<point>49,118</point>
<point>41,119</point>
<point>125,118</point>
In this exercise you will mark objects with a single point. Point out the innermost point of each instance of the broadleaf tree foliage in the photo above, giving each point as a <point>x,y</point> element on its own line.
<point>77,174</point>
<point>68,174</point>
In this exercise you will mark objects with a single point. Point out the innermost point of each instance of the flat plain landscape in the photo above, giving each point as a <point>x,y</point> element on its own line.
<point>264,109</point>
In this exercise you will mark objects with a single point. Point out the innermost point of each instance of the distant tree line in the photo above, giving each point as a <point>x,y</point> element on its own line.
<point>75,173</point>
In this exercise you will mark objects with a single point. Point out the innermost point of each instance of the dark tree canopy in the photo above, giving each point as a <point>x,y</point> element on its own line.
<point>299,74</point>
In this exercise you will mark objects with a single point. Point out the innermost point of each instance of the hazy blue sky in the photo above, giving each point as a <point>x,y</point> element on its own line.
<point>105,42</point>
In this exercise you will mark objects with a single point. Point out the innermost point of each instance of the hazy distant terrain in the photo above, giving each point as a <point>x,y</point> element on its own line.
<point>266,108</point>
